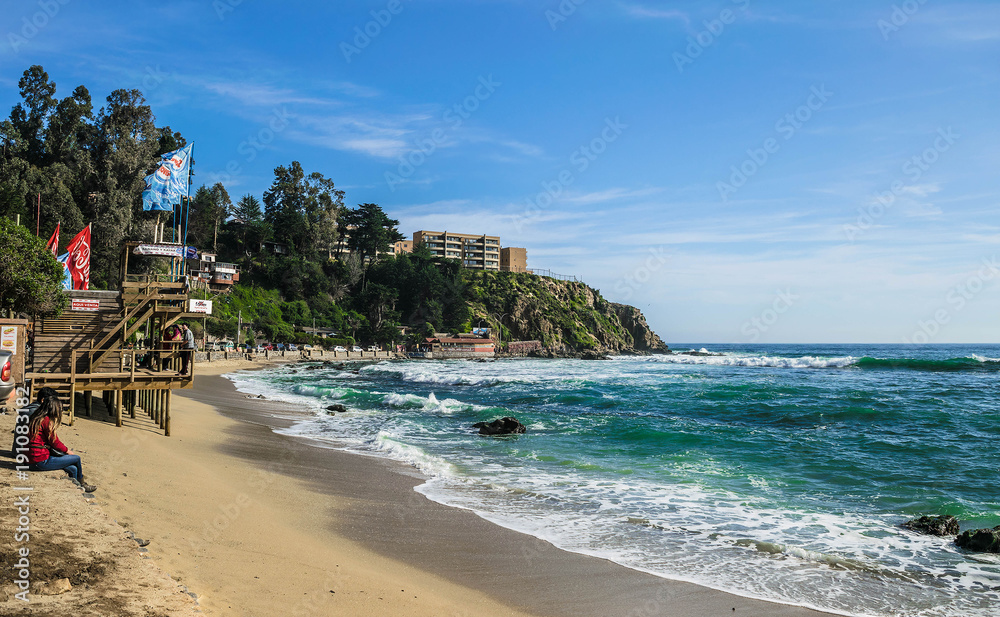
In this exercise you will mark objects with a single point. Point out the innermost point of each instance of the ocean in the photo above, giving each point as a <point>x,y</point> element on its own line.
<point>778,472</point>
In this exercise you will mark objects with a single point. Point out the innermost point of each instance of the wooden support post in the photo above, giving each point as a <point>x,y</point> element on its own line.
<point>116,396</point>
<point>166,420</point>
<point>88,402</point>
<point>131,403</point>
<point>72,402</point>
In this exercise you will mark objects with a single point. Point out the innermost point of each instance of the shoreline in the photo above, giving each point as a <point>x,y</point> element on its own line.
<point>388,517</point>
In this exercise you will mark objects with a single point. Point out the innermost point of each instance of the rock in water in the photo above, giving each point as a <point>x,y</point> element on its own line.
<point>337,407</point>
<point>946,525</point>
<point>503,426</point>
<point>980,540</point>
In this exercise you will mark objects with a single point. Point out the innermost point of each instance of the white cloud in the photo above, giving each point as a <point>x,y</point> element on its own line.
<point>259,94</point>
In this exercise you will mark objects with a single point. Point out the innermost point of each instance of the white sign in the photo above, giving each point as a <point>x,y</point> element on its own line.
<point>83,304</point>
<point>166,250</point>
<point>8,339</point>
<point>200,306</point>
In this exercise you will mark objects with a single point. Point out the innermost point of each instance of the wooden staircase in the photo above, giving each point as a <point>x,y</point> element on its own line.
<point>86,349</point>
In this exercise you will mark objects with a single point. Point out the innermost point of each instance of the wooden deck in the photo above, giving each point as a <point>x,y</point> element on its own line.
<point>88,348</point>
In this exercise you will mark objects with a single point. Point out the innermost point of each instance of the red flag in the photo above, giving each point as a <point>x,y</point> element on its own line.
<point>78,262</point>
<point>53,245</point>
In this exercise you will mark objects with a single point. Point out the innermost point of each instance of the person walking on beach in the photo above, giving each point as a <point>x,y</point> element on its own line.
<point>45,451</point>
<point>187,353</point>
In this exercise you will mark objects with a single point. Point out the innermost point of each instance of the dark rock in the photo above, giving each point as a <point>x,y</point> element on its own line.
<point>643,337</point>
<point>592,355</point>
<point>502,426</point>
<point>544,352</point>
<point>337,407</point>
<point>946,525</point>
<point>980,540</point>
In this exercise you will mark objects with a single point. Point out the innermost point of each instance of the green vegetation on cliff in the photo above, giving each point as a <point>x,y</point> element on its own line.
<point>563,315</point>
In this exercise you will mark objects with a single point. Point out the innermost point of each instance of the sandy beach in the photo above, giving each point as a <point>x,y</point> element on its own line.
<point>255,523</point>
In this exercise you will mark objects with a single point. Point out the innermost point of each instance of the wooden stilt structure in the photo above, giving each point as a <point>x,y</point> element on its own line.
<point>95,346</point>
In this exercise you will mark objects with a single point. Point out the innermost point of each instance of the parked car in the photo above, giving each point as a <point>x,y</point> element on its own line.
<point>280,347</point>
<point>356,348</point>
<point>374,348</point>
<point>292,347</point>
<point>339,348</point>
<point>6,375</point>
<point>307,348</point>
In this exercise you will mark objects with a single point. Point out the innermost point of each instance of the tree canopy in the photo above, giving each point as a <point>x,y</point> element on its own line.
<point>30,277</point>
<point>81,166</point>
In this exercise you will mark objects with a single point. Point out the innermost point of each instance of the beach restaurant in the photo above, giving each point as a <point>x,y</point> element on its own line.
<point>458,347</point>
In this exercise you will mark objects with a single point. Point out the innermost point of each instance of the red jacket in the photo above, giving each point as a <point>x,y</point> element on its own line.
<point>42,441</point>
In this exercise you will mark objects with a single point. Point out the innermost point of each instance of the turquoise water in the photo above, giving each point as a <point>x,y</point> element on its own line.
<point>775,472</point>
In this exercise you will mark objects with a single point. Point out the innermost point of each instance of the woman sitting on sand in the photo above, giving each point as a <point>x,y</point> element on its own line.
<point>46,452</point>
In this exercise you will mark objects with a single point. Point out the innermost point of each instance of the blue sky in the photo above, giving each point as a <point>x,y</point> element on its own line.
<point>741,170</point>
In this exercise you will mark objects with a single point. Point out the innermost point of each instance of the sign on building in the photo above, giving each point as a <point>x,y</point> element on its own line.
<point>84,304</point>
<point>200,306</point>
<point>8,339</point>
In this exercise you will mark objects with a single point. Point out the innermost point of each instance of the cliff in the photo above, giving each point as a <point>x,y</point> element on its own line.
<point>565,316</point>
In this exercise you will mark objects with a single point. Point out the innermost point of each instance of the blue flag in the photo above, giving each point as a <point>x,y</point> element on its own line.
<point>166,185</point>
<point>67,279</point>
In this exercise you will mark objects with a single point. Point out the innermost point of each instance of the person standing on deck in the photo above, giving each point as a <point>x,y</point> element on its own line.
<point>187,353</point>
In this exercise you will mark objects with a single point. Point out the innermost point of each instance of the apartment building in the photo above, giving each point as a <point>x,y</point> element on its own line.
<point>513,259</point>
<point>403,246</point>
<point>474,251</point>
<point>214,275</point>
